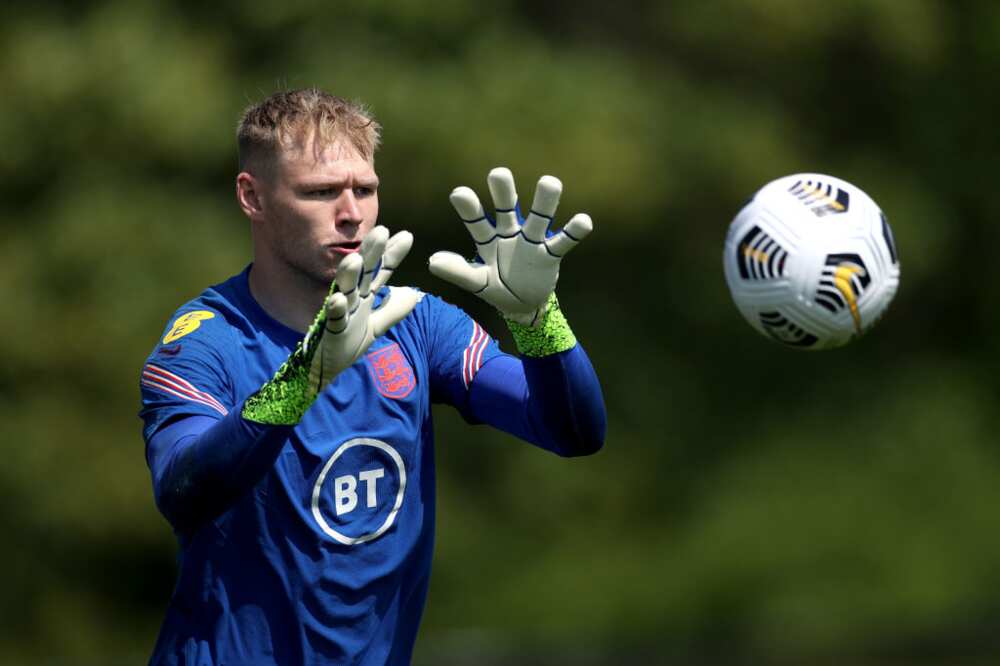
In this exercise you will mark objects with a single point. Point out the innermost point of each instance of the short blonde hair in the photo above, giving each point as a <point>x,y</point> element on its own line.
<point>287,119</point>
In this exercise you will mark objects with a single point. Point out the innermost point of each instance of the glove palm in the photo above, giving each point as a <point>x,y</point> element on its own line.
<point>517,264</point>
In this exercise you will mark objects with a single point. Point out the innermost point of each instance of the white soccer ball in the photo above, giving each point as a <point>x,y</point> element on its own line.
<point>811,261</point>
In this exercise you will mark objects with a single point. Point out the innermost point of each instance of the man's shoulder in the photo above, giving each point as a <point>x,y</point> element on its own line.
<point>430,314</point>
<point>444,324</point>
<point>194,367</point>
<point>427,303</point>
<point>205,320</point>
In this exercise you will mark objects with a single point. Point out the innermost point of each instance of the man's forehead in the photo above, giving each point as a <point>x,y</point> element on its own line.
<point>313,154</point>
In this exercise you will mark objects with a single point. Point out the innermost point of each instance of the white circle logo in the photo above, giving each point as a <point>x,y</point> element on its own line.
<point>353,492</point>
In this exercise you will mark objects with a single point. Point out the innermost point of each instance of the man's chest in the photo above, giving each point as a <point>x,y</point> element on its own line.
<point>352,466</point>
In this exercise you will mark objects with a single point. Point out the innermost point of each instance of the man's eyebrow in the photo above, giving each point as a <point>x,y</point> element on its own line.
<point>313,181</point>
<point>322,182</point>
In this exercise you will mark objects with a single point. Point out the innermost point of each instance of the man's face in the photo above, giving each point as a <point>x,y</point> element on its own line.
<point>316,207</point>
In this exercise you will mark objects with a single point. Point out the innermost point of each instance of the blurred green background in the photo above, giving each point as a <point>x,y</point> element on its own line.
<point>752,505</point>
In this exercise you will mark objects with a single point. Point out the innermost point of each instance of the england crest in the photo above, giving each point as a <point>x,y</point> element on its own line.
<point>391,372</point>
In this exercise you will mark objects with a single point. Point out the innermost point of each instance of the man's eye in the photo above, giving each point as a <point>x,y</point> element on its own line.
<point>364,191</point>
<point>322,192</point>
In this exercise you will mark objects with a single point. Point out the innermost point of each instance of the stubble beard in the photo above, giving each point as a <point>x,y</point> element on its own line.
<point>310,269</point>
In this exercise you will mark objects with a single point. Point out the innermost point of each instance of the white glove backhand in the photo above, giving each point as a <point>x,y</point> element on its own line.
<point>341,333</point>
<point>519,264</point>
<point>351,323</point>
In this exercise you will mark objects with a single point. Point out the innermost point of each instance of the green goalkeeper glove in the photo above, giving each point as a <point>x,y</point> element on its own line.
<point>517,265</point>
<point>343,329</point>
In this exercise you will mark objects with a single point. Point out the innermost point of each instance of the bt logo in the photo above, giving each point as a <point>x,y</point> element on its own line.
<point>367,481</point>
<point>345,490</point>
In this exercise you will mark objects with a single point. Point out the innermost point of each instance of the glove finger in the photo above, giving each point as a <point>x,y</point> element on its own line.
<point>399,303</point>
<point>349,278</point>
<point>543,208</point>
<point>396,249</point>
<point>469,208</point>
<point>570,235</point>
<point>453,268</point>
<point>501,182</point>
<point>371,251</point>
<point>336,313</point>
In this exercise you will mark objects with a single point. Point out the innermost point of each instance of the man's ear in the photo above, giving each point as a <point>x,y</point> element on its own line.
<point>248,195</point>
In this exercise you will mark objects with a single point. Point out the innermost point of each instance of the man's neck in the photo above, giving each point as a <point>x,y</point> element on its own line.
<point>287,296</point>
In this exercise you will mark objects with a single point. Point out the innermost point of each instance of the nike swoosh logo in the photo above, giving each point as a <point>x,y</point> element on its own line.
<point>169,351</point>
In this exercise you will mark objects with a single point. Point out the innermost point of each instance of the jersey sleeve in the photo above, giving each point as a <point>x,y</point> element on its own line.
<point>554,402</point>
<point>187,372</point>
<point>457,347</point>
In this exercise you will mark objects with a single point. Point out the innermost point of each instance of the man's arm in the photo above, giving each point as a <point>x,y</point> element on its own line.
<point>554,402</point>
<point>550,396</point>
<point>201,465</point>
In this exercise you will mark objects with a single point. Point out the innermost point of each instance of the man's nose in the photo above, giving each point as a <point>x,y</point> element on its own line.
<point>349,212</point>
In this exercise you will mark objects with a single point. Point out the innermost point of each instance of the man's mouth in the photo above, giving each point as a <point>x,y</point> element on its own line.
<point>348,247</point>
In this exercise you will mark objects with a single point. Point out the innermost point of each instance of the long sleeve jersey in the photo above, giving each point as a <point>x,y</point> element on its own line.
<point>312,543</point>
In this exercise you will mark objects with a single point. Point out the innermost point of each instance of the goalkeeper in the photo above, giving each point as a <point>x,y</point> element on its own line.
<point>287,410</point>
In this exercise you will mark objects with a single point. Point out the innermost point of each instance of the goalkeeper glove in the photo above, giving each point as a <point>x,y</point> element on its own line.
<point>343,330</point>
<point>517,264</point>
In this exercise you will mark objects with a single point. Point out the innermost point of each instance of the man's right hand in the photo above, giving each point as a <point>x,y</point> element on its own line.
<point>351,324</point>
<point>343,329</point>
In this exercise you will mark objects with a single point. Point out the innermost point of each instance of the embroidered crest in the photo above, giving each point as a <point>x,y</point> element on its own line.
<point>392,372</point>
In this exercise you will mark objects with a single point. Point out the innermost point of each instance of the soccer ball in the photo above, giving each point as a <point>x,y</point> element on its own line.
<point>811,261</point>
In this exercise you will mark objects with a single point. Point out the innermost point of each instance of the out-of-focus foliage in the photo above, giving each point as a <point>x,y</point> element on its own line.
<point>752,505</point>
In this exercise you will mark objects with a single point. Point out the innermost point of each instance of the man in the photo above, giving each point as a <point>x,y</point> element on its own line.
<point>292,452</point>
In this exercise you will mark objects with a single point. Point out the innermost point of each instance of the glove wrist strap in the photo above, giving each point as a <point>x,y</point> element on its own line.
<point>550,335</point>
<point>284,398</point>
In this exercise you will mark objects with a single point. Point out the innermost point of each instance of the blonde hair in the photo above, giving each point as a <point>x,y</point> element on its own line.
<point>287,119</point>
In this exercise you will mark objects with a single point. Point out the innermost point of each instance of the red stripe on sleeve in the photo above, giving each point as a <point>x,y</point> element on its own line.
<point>156,377</point>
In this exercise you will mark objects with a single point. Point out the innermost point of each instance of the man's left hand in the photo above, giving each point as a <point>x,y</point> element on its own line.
<point>517,262</point>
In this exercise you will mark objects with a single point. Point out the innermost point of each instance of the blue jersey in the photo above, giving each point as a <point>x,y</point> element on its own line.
<point>327,558</point>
